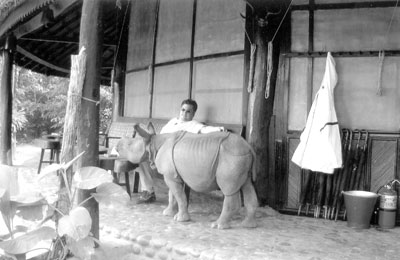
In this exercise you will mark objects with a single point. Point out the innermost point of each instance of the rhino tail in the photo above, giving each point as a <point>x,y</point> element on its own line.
<point>253,165</point>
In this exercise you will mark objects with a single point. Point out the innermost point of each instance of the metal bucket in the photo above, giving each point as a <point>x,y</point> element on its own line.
<point>359,208</point>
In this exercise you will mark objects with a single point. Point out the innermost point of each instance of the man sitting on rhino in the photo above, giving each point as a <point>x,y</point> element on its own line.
<point>184,122</point>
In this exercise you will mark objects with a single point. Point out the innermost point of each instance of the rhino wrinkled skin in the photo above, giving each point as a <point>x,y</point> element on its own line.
<point>205,162</point>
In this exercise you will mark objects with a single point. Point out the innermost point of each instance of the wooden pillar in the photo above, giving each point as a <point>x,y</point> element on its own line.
<point>91,37</point>
<point>260,103</point>
<point>6,102</point>
<point>118,78</point>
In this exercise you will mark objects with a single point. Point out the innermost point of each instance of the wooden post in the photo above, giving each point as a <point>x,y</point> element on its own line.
<point>72,115</point>
<point>260,103</point>
<point>6,101</point>
<point>91,38</point>
<point>122,28</point>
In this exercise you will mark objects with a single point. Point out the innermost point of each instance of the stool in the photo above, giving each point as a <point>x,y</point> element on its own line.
<point>125,166</point>
<point>54,145</point>
<point>117,166</point>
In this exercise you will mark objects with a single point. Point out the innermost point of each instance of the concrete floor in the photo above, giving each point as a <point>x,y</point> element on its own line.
<point>142,232</point>
<point>152,235</point>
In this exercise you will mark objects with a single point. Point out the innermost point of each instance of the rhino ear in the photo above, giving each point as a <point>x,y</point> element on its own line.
<point>142,132</point>
<point>150,128</point>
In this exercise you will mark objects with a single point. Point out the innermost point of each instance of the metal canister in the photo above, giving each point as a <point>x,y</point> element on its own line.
<point>387,207</point>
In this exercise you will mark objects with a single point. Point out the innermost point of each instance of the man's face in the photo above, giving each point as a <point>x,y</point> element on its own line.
<point>186,113</point>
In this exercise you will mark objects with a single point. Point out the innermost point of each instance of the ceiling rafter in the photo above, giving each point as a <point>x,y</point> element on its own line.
<point>40,61</point>
<point>62,41</point>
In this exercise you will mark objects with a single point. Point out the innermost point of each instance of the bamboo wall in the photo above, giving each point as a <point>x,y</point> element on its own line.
<point>186,48</point>
<point>355,34</point>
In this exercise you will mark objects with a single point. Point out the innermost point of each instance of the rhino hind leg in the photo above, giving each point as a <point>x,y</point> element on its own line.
<point>177,191</point>
<point>250,204</point>
<point>231,206</point>
<point>172,207</point>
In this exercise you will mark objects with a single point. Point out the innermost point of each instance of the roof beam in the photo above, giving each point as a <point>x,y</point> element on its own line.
<point>40,61</point>
<point>60,41</point>
<point>348,5</point>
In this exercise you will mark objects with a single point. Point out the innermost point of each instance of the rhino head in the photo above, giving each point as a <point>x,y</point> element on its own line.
<point>134,149</point>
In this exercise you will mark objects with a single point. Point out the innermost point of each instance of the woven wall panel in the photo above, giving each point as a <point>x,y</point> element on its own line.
<point>299,37</point>
<point>298,106</point>
<point>141,34</point>
<point>170,88</point>
<point>137,94</point>
<point>383,161</point>
<point>294,177</point>
<point>174,33</point>
<point>356,29</point>
<point>219,26</point>
<point>218,88</point>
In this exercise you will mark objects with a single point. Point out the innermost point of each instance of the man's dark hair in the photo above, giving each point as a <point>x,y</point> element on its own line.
<point>190,102</point>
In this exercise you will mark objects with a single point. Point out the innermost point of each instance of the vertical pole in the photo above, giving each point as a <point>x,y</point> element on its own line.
<point>122,27</point>
<point>91,37</point>
<point>257,119</point>
<point>6,101</point>
<point>260,108</point>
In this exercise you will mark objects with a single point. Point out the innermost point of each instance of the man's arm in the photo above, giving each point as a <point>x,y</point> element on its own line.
<point>209,129</point>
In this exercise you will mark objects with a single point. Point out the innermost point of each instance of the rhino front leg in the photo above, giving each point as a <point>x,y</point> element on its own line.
<point>172,207</point>
<point>177,190</point>
<point>231,206</point>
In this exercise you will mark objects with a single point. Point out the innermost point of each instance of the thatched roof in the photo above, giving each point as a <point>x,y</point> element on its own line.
<point>46,48</point>
<point>16,12</point>
<point>6,6</point>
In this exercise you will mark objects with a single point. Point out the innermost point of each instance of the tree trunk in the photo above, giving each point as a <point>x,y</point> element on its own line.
<point>6,102</point>
<point>72,115</point>
<point>91,38</point>
<point>261,102</point>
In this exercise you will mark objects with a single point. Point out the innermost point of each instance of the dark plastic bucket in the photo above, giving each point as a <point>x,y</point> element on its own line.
<point>359,208</point>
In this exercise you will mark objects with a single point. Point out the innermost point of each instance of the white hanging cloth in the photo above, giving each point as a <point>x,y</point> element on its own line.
<point>320,146</point>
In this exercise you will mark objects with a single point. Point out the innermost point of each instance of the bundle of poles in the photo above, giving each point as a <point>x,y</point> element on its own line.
<point>321,194</point>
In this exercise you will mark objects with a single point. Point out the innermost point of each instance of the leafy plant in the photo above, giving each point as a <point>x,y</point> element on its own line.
<point>72,232</point>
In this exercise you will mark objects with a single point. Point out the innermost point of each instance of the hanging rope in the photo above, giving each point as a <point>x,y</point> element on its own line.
<point>269,69</point>
<point>150,79</point>
<point>381,55</point>
<point>120,35</point>
<point>84,98</point>
<point>284,16</point>
<point>391,21</point>
<point>253,48</point>
<point>381,58</point>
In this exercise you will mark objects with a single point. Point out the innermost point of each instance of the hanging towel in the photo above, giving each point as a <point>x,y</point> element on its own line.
<point>320,146</point>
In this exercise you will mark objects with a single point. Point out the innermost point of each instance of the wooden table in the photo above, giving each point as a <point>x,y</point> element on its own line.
<point>118,165</point>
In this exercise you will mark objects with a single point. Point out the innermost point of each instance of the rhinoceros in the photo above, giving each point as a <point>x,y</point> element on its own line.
<point>205,162</point>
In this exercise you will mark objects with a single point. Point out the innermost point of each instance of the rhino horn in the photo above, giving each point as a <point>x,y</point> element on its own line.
<point>143,133</point>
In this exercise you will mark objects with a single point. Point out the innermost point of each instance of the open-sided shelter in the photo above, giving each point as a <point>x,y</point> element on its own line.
<point>257,64</point>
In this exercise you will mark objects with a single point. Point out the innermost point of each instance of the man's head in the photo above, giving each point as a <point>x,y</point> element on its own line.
<point>188,109</point>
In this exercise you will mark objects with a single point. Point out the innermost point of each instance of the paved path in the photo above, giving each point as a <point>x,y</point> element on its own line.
<point>142,232</point>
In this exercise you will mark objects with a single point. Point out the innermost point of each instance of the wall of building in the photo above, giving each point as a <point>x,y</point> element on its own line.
<point>367,95</point>
<point>186,48</point>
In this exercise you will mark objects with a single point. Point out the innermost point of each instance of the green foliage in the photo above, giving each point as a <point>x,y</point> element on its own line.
<point>105,107</point>
<point>40,102</point>
<point>72,233</point>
